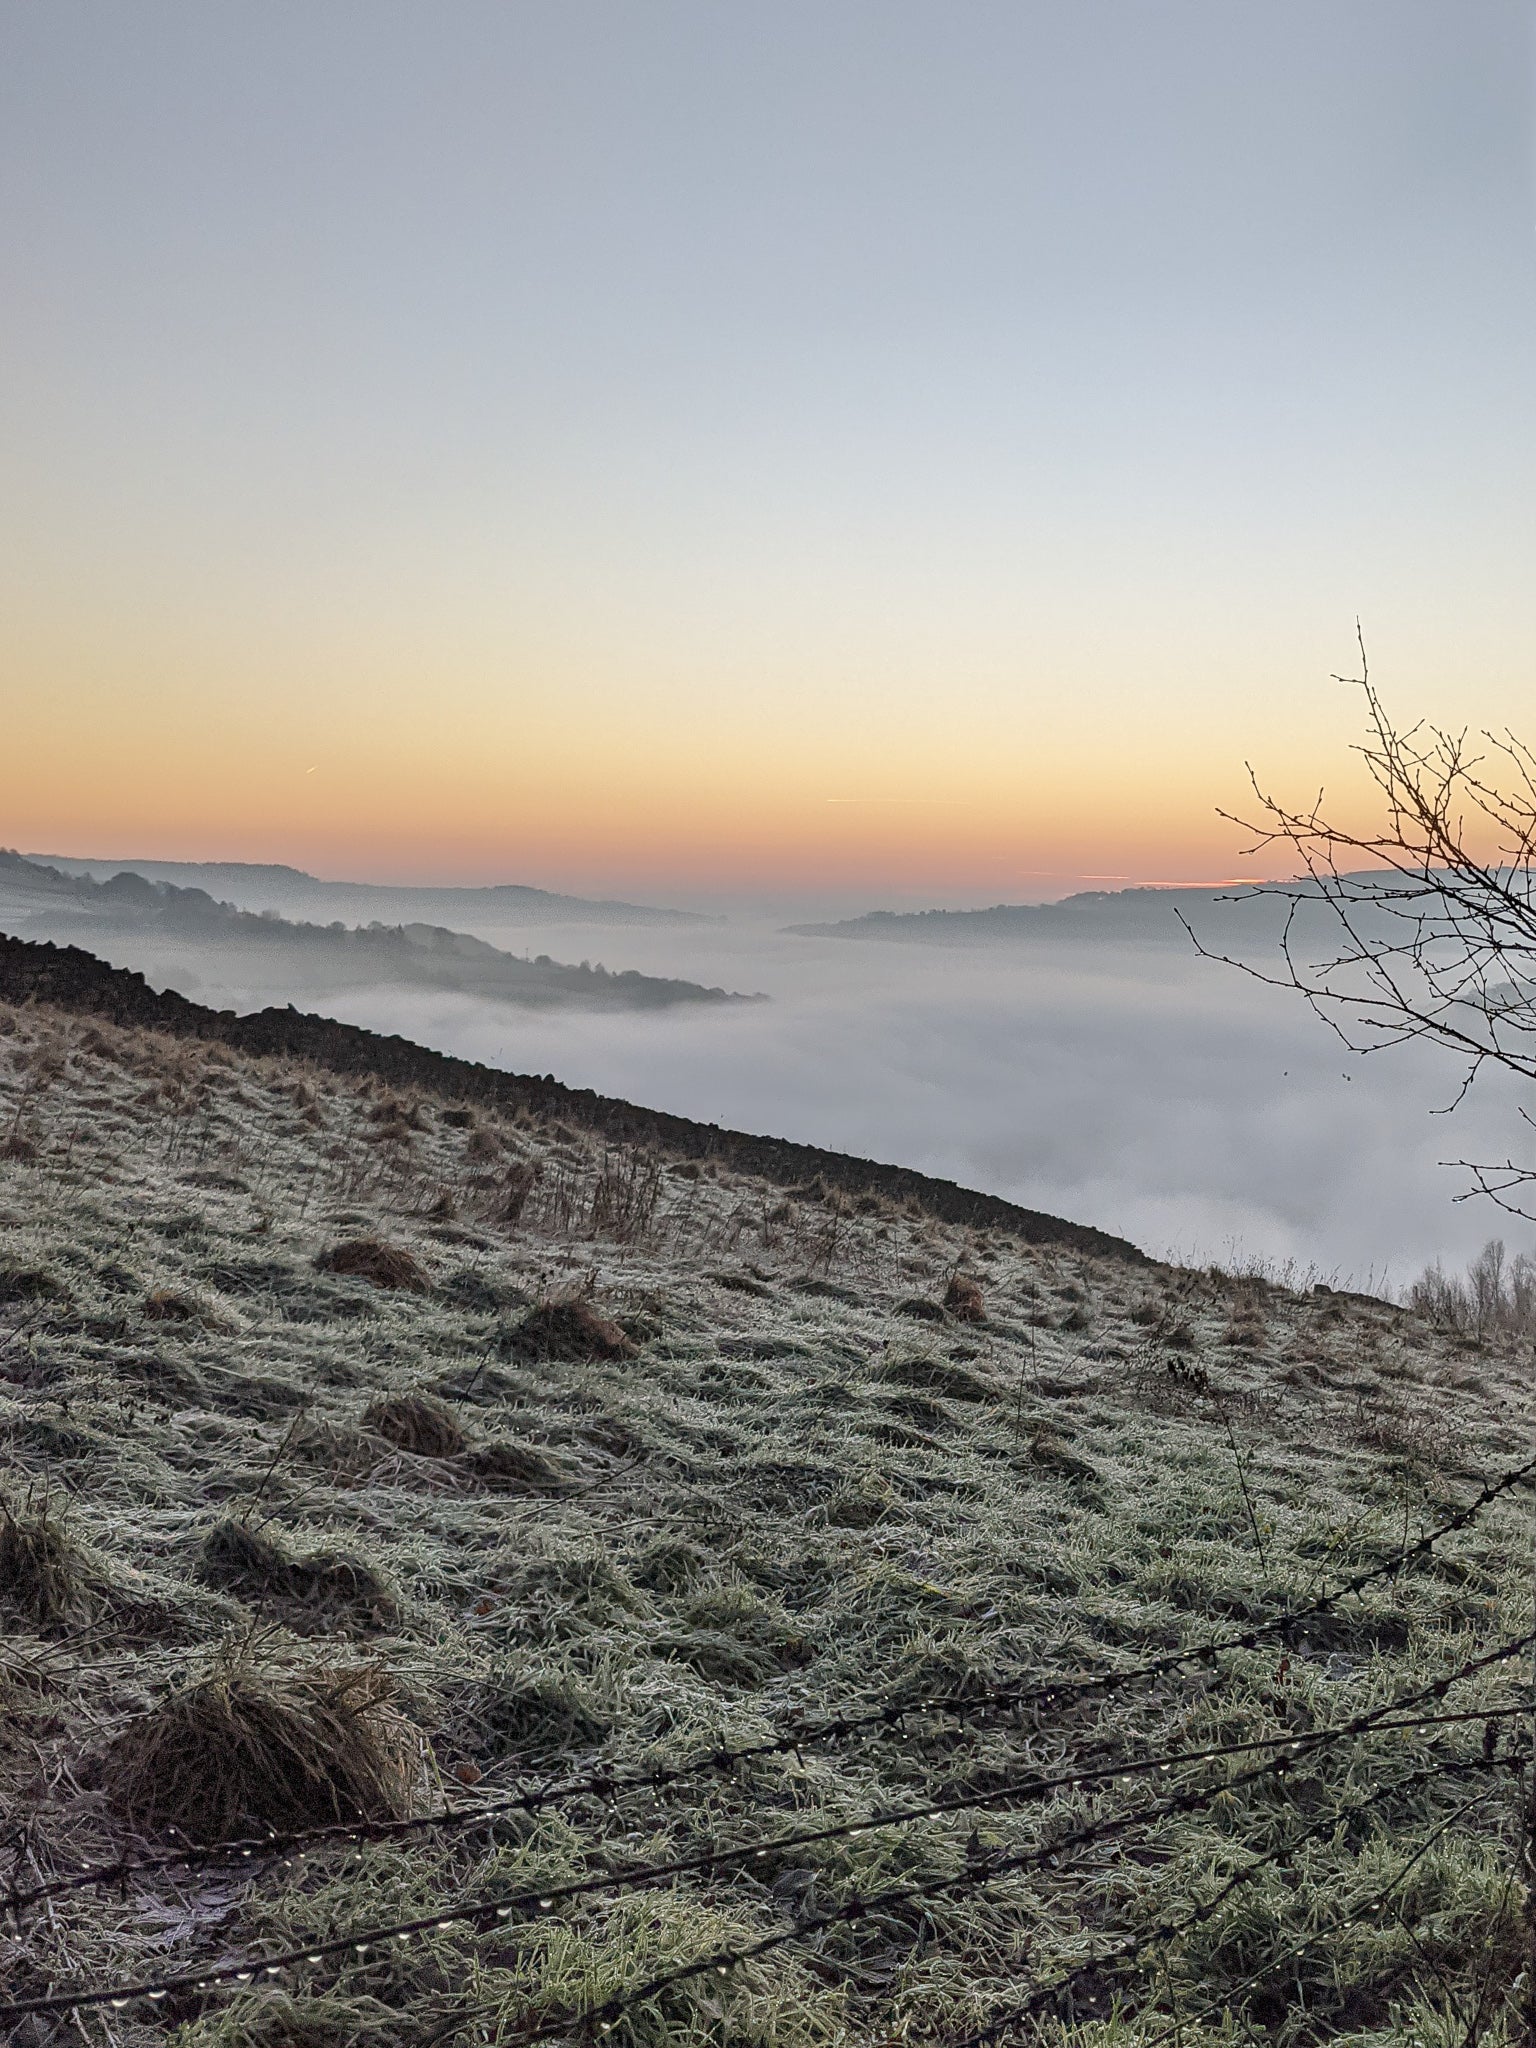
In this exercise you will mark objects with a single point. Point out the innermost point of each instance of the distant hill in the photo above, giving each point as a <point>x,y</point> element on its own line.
<point>185,938</point>
<point>252,885</point>
<point>1138,916</point>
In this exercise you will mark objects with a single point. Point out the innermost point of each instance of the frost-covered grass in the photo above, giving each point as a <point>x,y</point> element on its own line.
<point>750,1468</point>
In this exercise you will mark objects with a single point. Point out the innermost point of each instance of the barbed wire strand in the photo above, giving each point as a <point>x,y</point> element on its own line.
<point>608,2014</point>
<point>1130,1950</point>
<point>1515,1760</point>
<point>608,1785</point>
<point>1033,1786</point>
<point>489,1911</point>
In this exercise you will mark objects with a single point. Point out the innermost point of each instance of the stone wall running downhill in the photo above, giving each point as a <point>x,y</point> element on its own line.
<point>68,978</point>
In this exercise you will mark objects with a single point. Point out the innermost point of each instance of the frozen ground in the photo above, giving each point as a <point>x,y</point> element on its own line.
<point>594,1464</point>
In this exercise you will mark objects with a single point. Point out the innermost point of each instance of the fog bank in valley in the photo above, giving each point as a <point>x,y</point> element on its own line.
<point>1093,1065</point>
<point>1133,1086</point>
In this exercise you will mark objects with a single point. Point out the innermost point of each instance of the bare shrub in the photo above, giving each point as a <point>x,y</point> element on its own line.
<point>1423,928</point>
<point>1495,1295</point>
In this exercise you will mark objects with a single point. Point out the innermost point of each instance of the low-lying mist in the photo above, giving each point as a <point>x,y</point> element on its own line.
<point>1132,1085</point>
<point>1136,1087</point>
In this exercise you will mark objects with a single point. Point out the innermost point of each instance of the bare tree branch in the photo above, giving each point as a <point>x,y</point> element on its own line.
<point>1425,928</point>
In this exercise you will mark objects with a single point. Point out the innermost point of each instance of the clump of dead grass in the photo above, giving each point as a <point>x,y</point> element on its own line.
<point>963,1299</point>
<point>380,1264</point>
<point>21,1284</point>
<point>511,1467</point>
<point>527,1709</point>
<point>418,1423</point>
<point>43,1573</point>
<point>921,1309</point>
<point>324,1584</point>
<point>165,1305</point>
<point>572,1330</point>
<point>395,1119</point>
<point>254,1744</point>
<point>1049,1452</point>
<point>863,1499</point>
<point>925,1373</point>
<point>674,1564</point>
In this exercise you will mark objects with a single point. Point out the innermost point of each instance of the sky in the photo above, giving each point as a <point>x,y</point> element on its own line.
<point>916,452</point>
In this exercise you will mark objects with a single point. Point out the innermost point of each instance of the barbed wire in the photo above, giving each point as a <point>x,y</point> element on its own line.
<point>486,1912</point>
<point>609,1785</point>
<point>1132,1948</point>
<point>1010,1792</point>
<point>725,1961</point>
<point>1515,1760</point>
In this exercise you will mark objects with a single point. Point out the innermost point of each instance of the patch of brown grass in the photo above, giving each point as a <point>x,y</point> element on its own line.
<point>963,1299</point>
<point>572,1330</point>
<point>252,1746</point>
<point>166,1306</point>
<point>417,1423</point>
<point>43,1575</point>
<point>380,1264</point>
<point>395,1117</point>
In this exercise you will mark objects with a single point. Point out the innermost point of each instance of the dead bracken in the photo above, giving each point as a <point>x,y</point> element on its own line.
<point>963,1299</point>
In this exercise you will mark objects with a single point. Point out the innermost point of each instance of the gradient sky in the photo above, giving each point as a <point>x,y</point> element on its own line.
<point>916,448</point>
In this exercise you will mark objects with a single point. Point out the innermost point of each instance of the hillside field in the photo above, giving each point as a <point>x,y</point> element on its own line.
<point>370,1455</point>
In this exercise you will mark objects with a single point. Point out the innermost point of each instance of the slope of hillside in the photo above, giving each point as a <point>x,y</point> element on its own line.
<point>253,885</point>
<point>182,936</point>
<point>441,1469</point>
